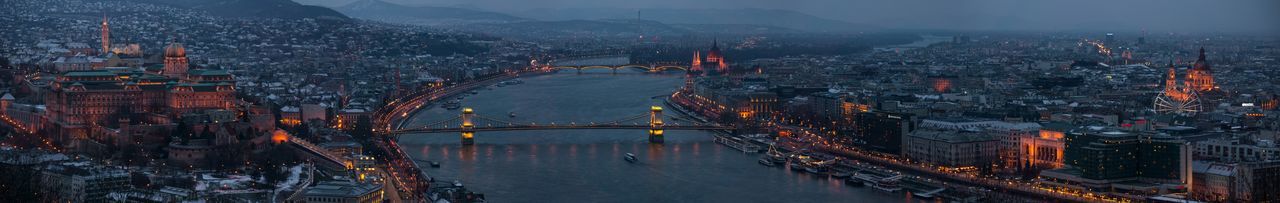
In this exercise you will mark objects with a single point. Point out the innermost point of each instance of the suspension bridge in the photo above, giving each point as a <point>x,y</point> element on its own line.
<point>614,63</point>
<point>468,123</point>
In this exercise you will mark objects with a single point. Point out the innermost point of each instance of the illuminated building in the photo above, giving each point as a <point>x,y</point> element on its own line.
<point>1200,77</point>
<point>714,58</point>
<point>175,60</point>
<point>81,100</point>
<point>940,84</point>
<point>106,36</point>
<point>1043,150</point>
<point>1177,99</point>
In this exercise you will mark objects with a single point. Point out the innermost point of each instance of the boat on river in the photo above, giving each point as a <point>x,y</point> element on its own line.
<point>838,174</point>
<point>766,162</point>
<point>813,170</point>
<point>452,105</point>
<point>630,158</point>
<point>854,181</point>
<point>882,183</point>
<point>797,168</point>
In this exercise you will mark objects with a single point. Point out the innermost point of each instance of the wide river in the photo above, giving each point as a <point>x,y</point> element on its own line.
<point>587,165</point>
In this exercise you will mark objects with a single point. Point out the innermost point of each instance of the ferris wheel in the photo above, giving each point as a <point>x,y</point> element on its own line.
<point>1181,102</point>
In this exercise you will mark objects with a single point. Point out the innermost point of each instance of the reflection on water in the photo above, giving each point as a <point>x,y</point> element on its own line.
<point>588,165</point>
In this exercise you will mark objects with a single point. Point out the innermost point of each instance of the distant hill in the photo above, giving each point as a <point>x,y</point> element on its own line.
<point>575,28</point>
<point>420,15</point>
<point>768,17</point>
<point>286,9</point>
<point>703,17</point>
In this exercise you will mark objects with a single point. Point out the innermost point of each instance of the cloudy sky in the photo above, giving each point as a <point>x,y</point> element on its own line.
<point>1120,15</point>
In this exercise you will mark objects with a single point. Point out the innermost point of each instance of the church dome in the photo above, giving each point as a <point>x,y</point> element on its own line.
<point>1200,64</point>
<point>175,50</point>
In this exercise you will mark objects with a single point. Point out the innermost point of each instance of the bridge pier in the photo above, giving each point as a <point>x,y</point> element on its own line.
<point>468,128</point>
<point>655,124</point>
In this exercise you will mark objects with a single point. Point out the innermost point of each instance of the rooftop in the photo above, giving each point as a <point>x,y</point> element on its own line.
<point>342,189</point>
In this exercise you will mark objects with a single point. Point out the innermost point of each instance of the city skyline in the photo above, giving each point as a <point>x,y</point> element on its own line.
<point>278,101</point>
<point>1131,16</point>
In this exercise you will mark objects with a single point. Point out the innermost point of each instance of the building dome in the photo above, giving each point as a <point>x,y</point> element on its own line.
<point>175,50</point>
<point>1200,63</point>
<point>715,50</point>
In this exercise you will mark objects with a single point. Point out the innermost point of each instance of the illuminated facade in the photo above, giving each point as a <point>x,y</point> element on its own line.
<point>106,35</point>
<point>175,60</point>
<point>81,100</point>
<point>1178,99</point>
<point>1044,150</point>
<point>1200,77</point>
<point>714,59</point>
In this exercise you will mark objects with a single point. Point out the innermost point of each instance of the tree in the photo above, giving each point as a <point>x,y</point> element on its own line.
<point>139,180</point>
<point>182,131</point>
<point>19,184</point>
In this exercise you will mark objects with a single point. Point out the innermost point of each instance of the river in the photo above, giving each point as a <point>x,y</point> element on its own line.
<point>587,165</point>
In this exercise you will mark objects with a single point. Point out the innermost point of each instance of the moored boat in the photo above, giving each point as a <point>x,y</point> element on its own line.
<point>853,181</point>
<point>766,162</point>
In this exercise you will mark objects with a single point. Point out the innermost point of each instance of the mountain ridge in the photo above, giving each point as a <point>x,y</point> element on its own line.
<point>285,9</point>
<point>420,15</point>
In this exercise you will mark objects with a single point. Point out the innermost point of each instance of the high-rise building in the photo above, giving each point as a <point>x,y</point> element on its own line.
<point>1104,159</point>
<point>1103,155</point>
<point>1111,39</point>
<point>883,131</point>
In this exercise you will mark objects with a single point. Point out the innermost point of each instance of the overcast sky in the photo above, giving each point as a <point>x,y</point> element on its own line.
<point>1119,15</point>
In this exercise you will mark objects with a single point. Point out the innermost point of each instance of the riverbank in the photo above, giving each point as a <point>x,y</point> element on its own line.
<point>973,182</point>
<point>545,165</point>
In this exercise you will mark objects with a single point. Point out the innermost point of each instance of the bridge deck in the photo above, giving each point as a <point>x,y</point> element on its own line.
<point>559,127</point>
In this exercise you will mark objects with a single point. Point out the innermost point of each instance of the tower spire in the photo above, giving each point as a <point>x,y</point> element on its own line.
<point>106,34</point>
<point>1201,54</point>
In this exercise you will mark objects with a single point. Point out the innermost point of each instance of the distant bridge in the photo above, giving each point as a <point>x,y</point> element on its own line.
<point>614,63</point>
<point>652,68</point>
<point>468,123</point>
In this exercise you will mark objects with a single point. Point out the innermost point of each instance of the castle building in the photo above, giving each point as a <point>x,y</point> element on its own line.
<point>79,101</point>
<point>175,61</point>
